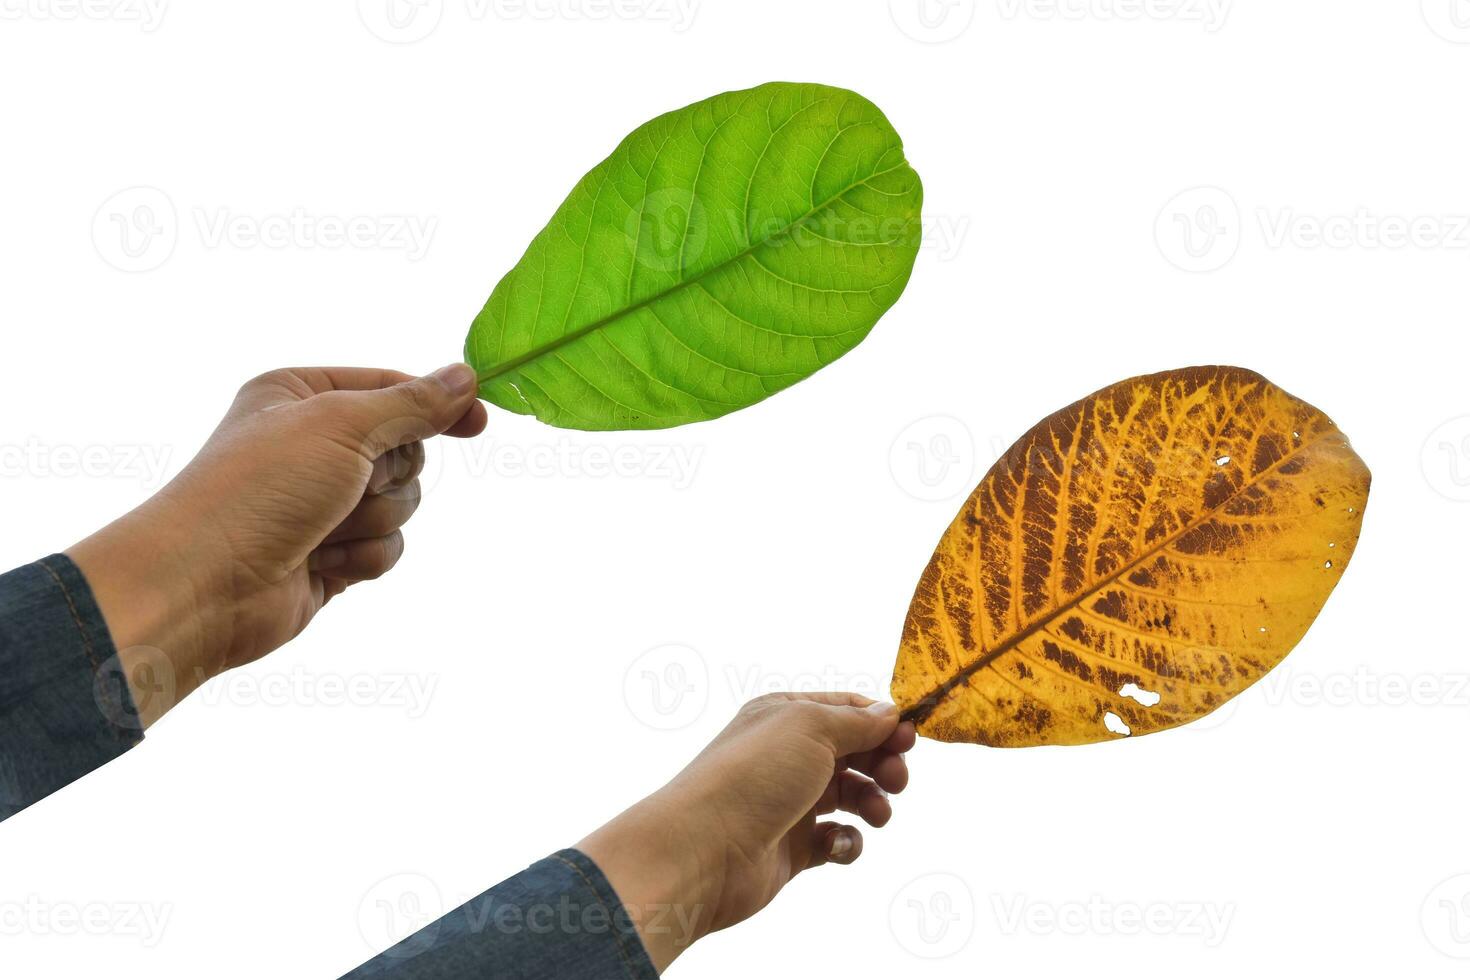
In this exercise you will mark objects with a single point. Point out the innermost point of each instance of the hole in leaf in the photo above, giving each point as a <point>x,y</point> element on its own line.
<point>1146,698</point>
<point>1116,725</point>
<point>1328,565</point>
<point>1222,461</point>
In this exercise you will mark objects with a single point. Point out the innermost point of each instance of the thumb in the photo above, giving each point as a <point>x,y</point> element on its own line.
<point>853,728</point>
<point>387,418</point>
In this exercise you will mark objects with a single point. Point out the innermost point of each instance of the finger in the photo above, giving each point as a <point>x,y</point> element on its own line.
<point>384,419</point>
<point>323,379</point>
<point>328,588</point>
<point>862,797</point>
<point>834,843</point>
<point>903,739</point>
<point>358,561</point>
<point>379,516</point>
<point>857,795</point>
<point>850,729</point>
<point>471,423</point>
<point>397,468</point>
<point>888,769</point>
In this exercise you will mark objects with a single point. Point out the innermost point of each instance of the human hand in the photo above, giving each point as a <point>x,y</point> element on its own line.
<point>719,842</point>
<point>300,493</point>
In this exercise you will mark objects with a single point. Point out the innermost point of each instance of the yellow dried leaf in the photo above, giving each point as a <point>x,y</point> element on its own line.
<point>1172,536</point>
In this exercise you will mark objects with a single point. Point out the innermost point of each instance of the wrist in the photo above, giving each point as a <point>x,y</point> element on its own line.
<point>669,884</point>
<point>143,575</point>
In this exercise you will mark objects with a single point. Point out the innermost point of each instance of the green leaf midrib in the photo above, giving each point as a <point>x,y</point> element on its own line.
<point>580,332</point>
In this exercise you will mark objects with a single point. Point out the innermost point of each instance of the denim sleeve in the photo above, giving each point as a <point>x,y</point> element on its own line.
<point>64,710</point>
<point>558,920</point>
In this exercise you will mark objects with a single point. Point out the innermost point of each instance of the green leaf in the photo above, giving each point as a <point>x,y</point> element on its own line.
<point>723,252</point>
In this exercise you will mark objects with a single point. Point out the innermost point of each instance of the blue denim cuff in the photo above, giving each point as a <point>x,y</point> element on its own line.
<point>64,707</point>
<point>560,919</point>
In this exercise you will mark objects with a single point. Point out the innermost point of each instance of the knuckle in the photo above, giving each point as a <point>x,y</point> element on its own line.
<point>417,397</point>
<point>267,379</point>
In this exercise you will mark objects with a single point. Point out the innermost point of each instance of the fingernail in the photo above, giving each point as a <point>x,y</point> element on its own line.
<point>458,379</point>
<point>841,844</point>
<point>882,708</point>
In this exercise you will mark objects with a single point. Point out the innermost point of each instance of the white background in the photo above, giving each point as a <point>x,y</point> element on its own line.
<point>272,827</point>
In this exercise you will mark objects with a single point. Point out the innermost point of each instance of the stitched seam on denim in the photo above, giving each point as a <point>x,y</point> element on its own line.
<point>114,710</point>
<point>618,936</point>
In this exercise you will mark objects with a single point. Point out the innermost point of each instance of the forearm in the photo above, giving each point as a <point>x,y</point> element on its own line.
<point>559,919</point>
<point>63,708</point>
